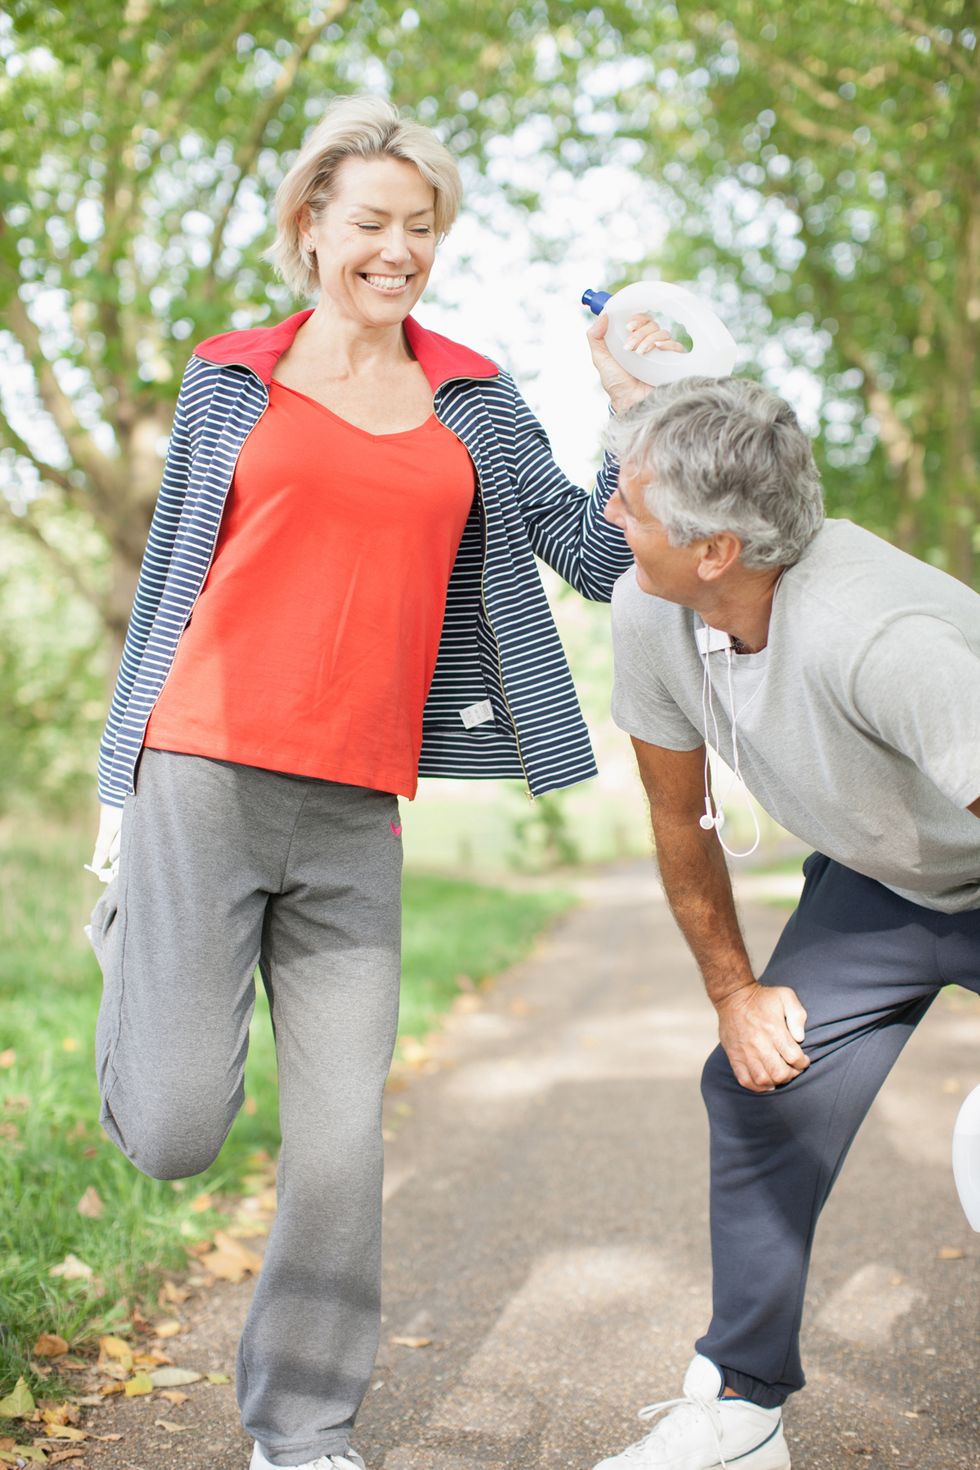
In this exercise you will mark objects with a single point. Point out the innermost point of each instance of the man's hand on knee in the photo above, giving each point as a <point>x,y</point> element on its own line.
<point>760,1028</point>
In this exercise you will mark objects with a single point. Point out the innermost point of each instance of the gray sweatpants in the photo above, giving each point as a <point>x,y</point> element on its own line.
<point>224,867</point>
<point>867,965</point>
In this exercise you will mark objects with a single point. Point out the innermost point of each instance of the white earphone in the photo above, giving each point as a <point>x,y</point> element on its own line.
<point>708,640</point>
<point>711,819</point>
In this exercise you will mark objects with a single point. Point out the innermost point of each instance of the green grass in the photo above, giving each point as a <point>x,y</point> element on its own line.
<point>51,1147</point>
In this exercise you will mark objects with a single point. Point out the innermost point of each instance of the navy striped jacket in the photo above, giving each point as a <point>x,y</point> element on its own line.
<point>499,641</point>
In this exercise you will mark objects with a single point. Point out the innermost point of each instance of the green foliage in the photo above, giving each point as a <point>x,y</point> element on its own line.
<point>51,684</point>
<point>824,160</point>
<point>542,834</point>
<point>51,1146</point>
<point>818,166</point>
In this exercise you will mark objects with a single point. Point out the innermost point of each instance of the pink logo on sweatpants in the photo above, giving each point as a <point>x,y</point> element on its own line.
<point>396,828</point>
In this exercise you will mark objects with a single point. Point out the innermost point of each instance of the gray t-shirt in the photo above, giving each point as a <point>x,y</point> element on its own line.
<point>858,725</point>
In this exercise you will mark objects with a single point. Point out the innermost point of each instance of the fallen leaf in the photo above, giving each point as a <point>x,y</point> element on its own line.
<point>150,1360</point>
<point>175,1397</point>
<point>139,1384</point>
<point>7,1058</point>
<point>174,1377</point>
<point>115,1356</point>
<point>119,1372</point>
<point>64,1431</point>
<point>49,1345</point>
<point>263,1203</point>
<point>89,1400</point>
<point>230,1260</point>
<point>90,1205</point>
<point>949,1253</point>
<point>168,1328</point>
<point>217,1377</point>
<point>172,1294</point>
<point>19,1403</point>
<point>61,1414</point>
<point>22,1452</point>
<point>71,1269</point>
<point>110,1388</point>
<point>246,1229</point>
<point>62,1455</point>
<point>413,1342</point>
<point>170,1426</point>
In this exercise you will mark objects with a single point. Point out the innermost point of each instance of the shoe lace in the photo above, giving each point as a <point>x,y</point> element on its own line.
<point>673,1427</point>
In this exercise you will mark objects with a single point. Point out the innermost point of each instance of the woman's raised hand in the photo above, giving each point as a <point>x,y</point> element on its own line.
<point>646,336</point>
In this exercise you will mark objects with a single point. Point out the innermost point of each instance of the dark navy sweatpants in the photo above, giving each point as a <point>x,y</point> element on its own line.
<point>867,965</point>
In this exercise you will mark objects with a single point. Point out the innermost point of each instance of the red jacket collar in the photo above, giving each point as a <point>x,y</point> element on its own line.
<point>260,348</point>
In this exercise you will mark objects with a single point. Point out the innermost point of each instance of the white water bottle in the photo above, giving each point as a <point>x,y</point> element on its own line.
<point>966,1157</point>
<point>713,349</point>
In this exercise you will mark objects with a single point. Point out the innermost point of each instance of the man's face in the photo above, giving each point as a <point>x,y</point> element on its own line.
<point>661,569</point>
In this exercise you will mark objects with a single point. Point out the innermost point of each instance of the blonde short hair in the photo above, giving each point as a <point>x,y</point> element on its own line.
<point>354,127</point>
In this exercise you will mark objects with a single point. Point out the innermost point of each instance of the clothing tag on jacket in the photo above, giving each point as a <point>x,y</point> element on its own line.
<point>476,714</point>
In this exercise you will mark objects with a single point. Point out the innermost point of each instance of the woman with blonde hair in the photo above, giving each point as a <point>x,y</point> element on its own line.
<point>339,592</point>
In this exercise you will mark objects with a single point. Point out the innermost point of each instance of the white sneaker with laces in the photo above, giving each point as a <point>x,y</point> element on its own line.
<point>348,1461</point>
<point>705,1431</point>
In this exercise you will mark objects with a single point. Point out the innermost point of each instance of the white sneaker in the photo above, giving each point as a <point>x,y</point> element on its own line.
<point>705,1431</point>
<point>348,1461</point>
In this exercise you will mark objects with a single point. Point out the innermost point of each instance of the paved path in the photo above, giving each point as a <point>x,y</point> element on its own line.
<point>547,1230</point>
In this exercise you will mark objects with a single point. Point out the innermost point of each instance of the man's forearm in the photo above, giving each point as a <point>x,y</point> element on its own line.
<point>699,891</point>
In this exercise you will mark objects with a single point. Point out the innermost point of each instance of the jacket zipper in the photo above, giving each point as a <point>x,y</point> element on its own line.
<point>483,597</point>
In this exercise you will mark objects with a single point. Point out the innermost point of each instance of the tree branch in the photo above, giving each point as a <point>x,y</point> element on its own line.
<point>250,147</point>
<point>102,471</point>
<point>27,526</point>
<point>799,77</point>
<point>901,17</point>
<point>176,119</point>
<point>10,439</point>
<point>816,132</point>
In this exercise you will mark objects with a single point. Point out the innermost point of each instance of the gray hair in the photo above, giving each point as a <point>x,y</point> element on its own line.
<point>355,127</point>
<point>723,454</point>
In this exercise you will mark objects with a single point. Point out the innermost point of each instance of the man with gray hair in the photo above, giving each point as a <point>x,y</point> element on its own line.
<point>840,678</point>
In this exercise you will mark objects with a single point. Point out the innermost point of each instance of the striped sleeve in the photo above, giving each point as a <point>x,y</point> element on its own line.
<point>153,574</point>
<point>565,524</point>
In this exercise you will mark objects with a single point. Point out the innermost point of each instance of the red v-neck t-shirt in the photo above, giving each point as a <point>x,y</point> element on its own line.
<point>313,642</point>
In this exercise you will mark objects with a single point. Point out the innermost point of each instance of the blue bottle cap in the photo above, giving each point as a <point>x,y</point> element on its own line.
<point>595,300</point>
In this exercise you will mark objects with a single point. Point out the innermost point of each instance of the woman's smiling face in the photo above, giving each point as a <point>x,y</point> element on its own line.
<point>375,240</point>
